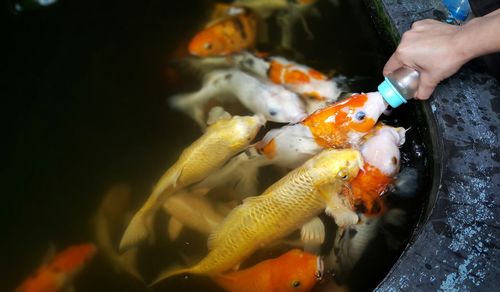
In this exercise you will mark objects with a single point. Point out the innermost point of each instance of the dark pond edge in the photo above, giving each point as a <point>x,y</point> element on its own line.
<point>455,247</point>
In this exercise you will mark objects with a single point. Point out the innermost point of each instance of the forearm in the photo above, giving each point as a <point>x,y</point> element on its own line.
<point>480,36</point>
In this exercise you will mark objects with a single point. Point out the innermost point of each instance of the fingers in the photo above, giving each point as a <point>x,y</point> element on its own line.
<point>392,64</point>
<point>425,87</point>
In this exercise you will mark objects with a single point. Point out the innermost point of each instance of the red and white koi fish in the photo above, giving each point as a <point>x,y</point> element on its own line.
<point>58,274</point>
<point>272,101</point>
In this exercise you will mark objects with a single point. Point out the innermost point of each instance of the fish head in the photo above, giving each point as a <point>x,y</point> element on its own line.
<point>207,43</point>
<point>297,270</point>
<point>344,123</point>
<point>282,106</point>
<point>332,165</point>
<point>381,150</point>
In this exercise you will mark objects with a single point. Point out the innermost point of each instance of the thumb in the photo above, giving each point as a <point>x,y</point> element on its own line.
<point>426,86</point>
<point>392,64</point>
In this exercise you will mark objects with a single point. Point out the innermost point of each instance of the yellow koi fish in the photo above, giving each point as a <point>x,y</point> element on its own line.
<point>282,208</point>
<point>222,140</point>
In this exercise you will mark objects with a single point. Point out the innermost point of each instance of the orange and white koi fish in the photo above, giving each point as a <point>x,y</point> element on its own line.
<point>314,87</point>
<point>272,101</point>
<point>224,37</point>
<point>382,161</point>
<point>340,125</point>
<point>223,139</point>
<point>295,270</point>
<point>58,274</point>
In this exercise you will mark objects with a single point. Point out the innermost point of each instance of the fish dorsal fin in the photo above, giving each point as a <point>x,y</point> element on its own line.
<point>217,113</point>
<point>174,228</point>
<point>234,218</point>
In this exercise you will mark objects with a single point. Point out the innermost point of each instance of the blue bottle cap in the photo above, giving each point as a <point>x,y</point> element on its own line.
<point>390,94</point>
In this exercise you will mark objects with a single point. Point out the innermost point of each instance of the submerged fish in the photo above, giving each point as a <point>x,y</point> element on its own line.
<point>293,271</point>
<point>224,37</point>
<point>314,87</point>
<point>222,140</point>
<point>58,274</point>
<point>274,102</point>
<point>382,161</point>
<point>282,208</point>
<point>192,210</point>
<point>111,217</point>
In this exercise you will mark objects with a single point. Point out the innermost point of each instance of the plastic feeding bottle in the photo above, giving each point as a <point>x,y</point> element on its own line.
<point>459,10</point>
<point>399,86</point>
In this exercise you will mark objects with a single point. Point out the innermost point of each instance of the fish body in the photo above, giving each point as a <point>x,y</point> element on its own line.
<point>340,125</point>
<point>224,37</point>
<point>193,211</point>
<point>295,270</point>
<point>58,274</point>
<point>382,161</point>
<point>309,83</point>
<point>222,140</point>
<point>314,87</point>
<point>274,102</point>
<point>284,207</point>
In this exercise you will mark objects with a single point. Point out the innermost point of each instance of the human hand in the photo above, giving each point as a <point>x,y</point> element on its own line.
<point>434,49</point>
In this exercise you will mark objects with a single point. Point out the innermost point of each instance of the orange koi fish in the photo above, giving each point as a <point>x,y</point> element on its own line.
<point>295,270</point>
<point>382,157</point>
<point>224,37</point>
<point>58,274</point>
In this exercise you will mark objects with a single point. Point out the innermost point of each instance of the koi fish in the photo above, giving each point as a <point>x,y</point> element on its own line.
<point>192,210</point>
<point>382,161</point>
<point>340,125</point>
<point>58,274</point>
<point>303,192</point>
<point>274,102</point>
<point>110,217</point>
<point>293,271</point>
<point>352,242</point>
<point>314,87</point>
<point>224,37</point>
<point>223,139</point>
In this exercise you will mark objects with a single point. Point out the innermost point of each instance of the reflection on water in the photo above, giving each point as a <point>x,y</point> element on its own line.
<point>84,96</point>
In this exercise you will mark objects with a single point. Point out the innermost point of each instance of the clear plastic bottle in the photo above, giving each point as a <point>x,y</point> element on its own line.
<point>399,86</point>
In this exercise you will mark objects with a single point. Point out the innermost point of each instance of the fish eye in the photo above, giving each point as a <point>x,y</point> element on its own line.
<point>273,112</point>
<point>360,115</point>
<point>208,46</point>
<point>295,283</point>
<point>342,174</point>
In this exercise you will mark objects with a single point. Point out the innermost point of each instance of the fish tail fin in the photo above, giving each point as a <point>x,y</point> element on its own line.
<point>170,272</point>
<point>138,230</point>
<point>191,104</point>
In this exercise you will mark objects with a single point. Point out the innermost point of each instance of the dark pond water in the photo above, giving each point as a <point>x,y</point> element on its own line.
<point>83,88</point>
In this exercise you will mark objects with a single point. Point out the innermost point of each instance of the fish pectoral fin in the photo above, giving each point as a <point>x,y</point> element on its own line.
<point>313,232</point>
<point>138,230</point>
<point>341,212</point>
<point>169,272</point>
<point>174,228</point>
<point>128,262</point>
